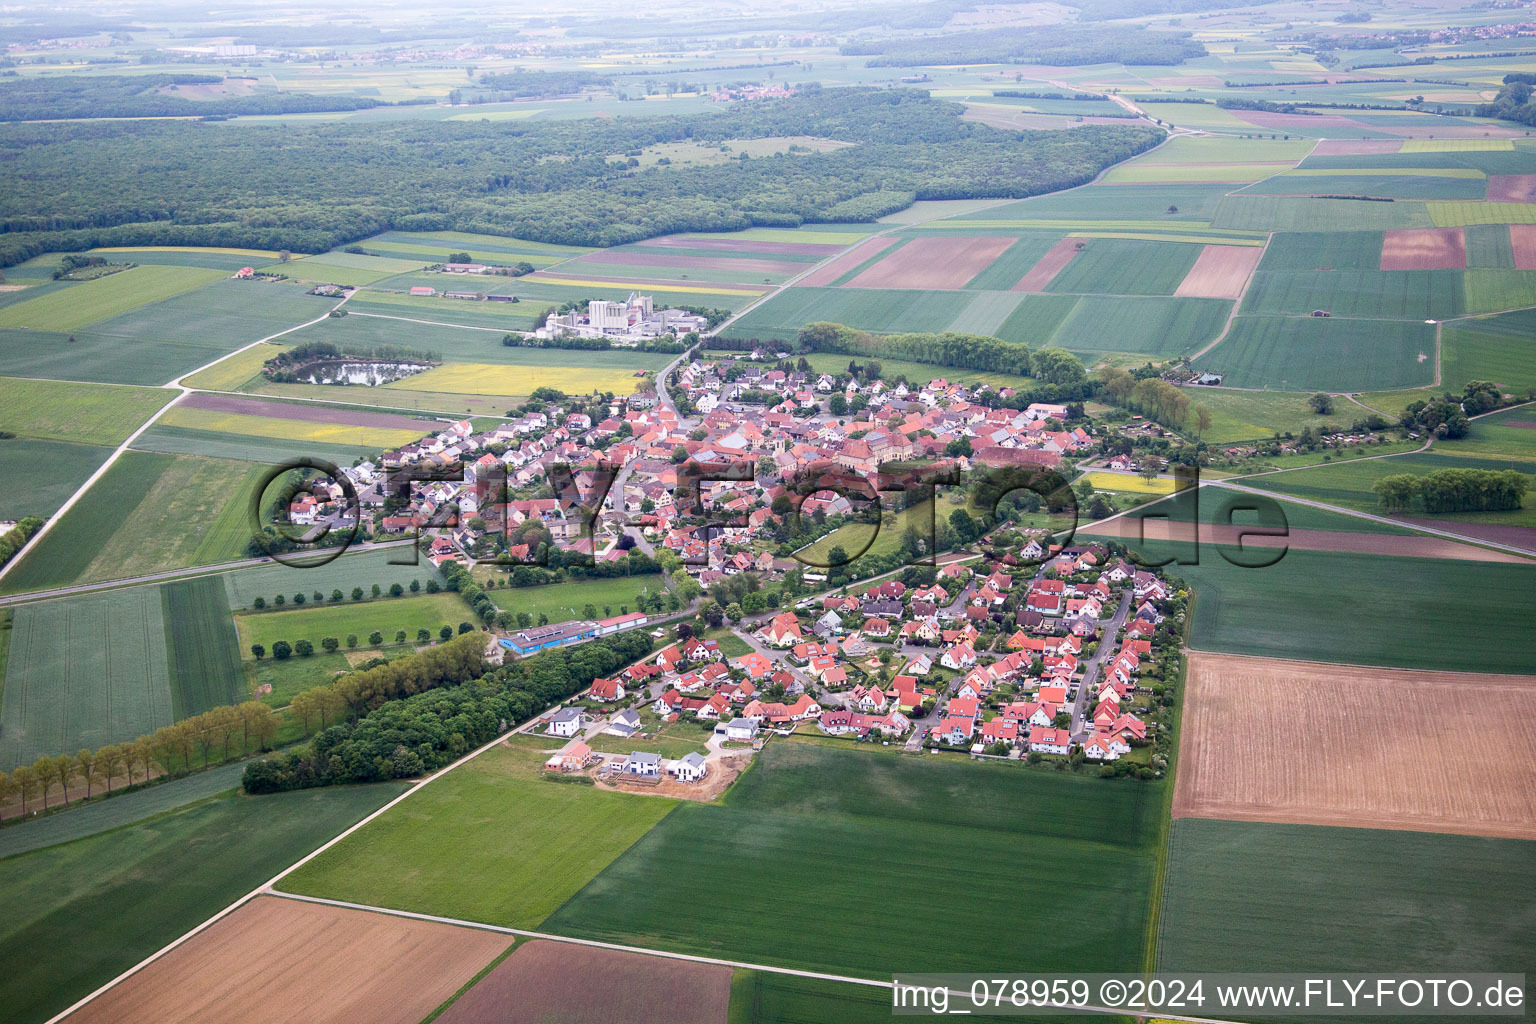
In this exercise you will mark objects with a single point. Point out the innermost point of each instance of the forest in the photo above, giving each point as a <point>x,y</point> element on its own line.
<point>1057,45</point>
<point>313,186</point>
<point>68,96</point>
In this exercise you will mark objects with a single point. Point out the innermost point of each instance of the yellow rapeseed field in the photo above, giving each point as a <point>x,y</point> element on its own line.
<point>491,379</point>
<point>1130,482</point>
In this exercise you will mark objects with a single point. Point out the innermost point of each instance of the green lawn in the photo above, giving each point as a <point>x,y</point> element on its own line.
<point>669,739</point>
<point>314,622</point>
<point>82,413</point>
<point>80,914</point>
<point>1249,896</point>
<point>1365,610</point>
<point>490,841</point>
<point>293,676</point>
<point>860,846</point>
<point>859,539</point>
<point>1257,415</point>
<point>565,601</point>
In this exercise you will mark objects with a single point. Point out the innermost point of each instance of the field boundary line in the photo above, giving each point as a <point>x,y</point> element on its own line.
<point>1237,303</point>
<point>1514,676</point>
<point>662,953</point>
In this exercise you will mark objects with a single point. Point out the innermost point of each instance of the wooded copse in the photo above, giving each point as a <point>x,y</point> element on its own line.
<point>1453,490</point>
<point>404,737</point>
<point>311,187</point>
<point>66,96</point>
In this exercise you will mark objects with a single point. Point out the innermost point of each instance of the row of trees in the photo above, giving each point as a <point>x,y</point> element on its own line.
<point>193,743</point>
<point>17,536</point>
<point>282,649</point>
<point>395,590</point>
<point>406,734</point>
<point>1155,398</point>
<point>962,351</point>
<point>1453,490</point>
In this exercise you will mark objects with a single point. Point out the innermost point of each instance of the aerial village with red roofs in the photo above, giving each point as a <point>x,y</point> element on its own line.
<point>733,481</point>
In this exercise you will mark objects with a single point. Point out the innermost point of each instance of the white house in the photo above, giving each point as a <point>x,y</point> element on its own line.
<point>738,730</point>
<point>1049,741</point>
<point>645,765</point>
<point>691,768</point>
<point>624,724</point>
<point>565,722</point>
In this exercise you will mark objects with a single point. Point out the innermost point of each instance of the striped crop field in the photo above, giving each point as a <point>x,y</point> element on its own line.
<point>288,430</point>
<point>1457,146</point>
<point>1384,172</point>
<point>74,307</point>
<point>1149,236</point>
<point>1454,215</point>
<point>488,379</point>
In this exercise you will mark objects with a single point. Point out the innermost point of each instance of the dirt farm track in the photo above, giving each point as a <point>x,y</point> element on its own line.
<point>1315,744</point>
<point>276,960</point>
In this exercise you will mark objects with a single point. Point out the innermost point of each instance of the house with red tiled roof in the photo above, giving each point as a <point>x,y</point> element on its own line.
<point>606,690</point>
<point>1000,730</point>
<point>1049,741</point>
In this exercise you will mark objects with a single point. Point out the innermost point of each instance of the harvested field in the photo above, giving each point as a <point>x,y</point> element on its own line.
<point>1424,249</point>
<point>1220,272</point>
<point>1512,188</point>
<point>829,272</point>
<point>1514,536</point>
<point>1133,529</point>
<point>278,960</point>
<point>546,981</point>
<point>933,263</point>
<point>307,413</point>
<point>1356,147</point>
<point>1379,748</point>
<point>727,245</point>
<point>1522,240</point>
<point>1049,266</point>
<point>640,259</point>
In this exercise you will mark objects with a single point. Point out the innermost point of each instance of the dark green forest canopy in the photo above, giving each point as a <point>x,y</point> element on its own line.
<point>309,187</point>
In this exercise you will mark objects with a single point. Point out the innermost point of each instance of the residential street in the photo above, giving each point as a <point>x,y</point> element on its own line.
<point>1095,666</point>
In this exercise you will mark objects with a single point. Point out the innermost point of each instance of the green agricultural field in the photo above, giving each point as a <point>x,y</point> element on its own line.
<point>267,451</point>
<point>204,661</point>
<point>84,671</point>
<point>1489,248</point>
<point>41,475</point>
<point>1510,433</point>
<point>1497,291</point>
<point>564,601</point>
<point>344,268</point>
<point>1323,250</point>
<point>1323,354</point>
<point>149,512</point>
<point>813,817</point>
<point>491,841</point>
<point>1383,294</point>
<point>1217,148</point>
<point>1144,173</point>
<point>1125,266</point>
<point>1152,326</point>
<point>447,242</point>
<point>763,997</point>
<point>90,302</point>
<point>1350,485</point>
<point>1359,609</point>
<point>594,266</point>
<point>353,569</point>
<point>987,313</point>
<point>80,914</point>
<point>315,622</point>
<point>1248,896</point>
<point>1005,271</point>
<point>1296,213</point>
<point>1493,348</point>
<point>82,413</point>
<point>103,815</point>
<point>880,311</point>
<point>488,316</point>
<point>1160,204</point>
<point>1450,215</point>
<point>1035,320</point>
<point>1451,184</point>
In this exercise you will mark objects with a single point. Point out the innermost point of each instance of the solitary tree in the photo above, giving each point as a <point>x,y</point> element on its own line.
<point>1321,404</point>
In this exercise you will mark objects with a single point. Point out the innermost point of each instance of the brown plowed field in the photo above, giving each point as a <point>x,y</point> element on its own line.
<point>275,961</point>
<point>559,981</point>
<point>1512,188</point>
<point>1220,272</point>
<point>1356,147</point>
<point>303,412</point>
<point>825,274</point>
<point>643,259</point>
<point>727,245</point>
<point>1514,536</point>
<point>1424,249</point>
<point>1411,546</point>
<point>1522,239</point>
<point>1306,743</point>
<point>933,263</point>
<point>1048,266</point>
